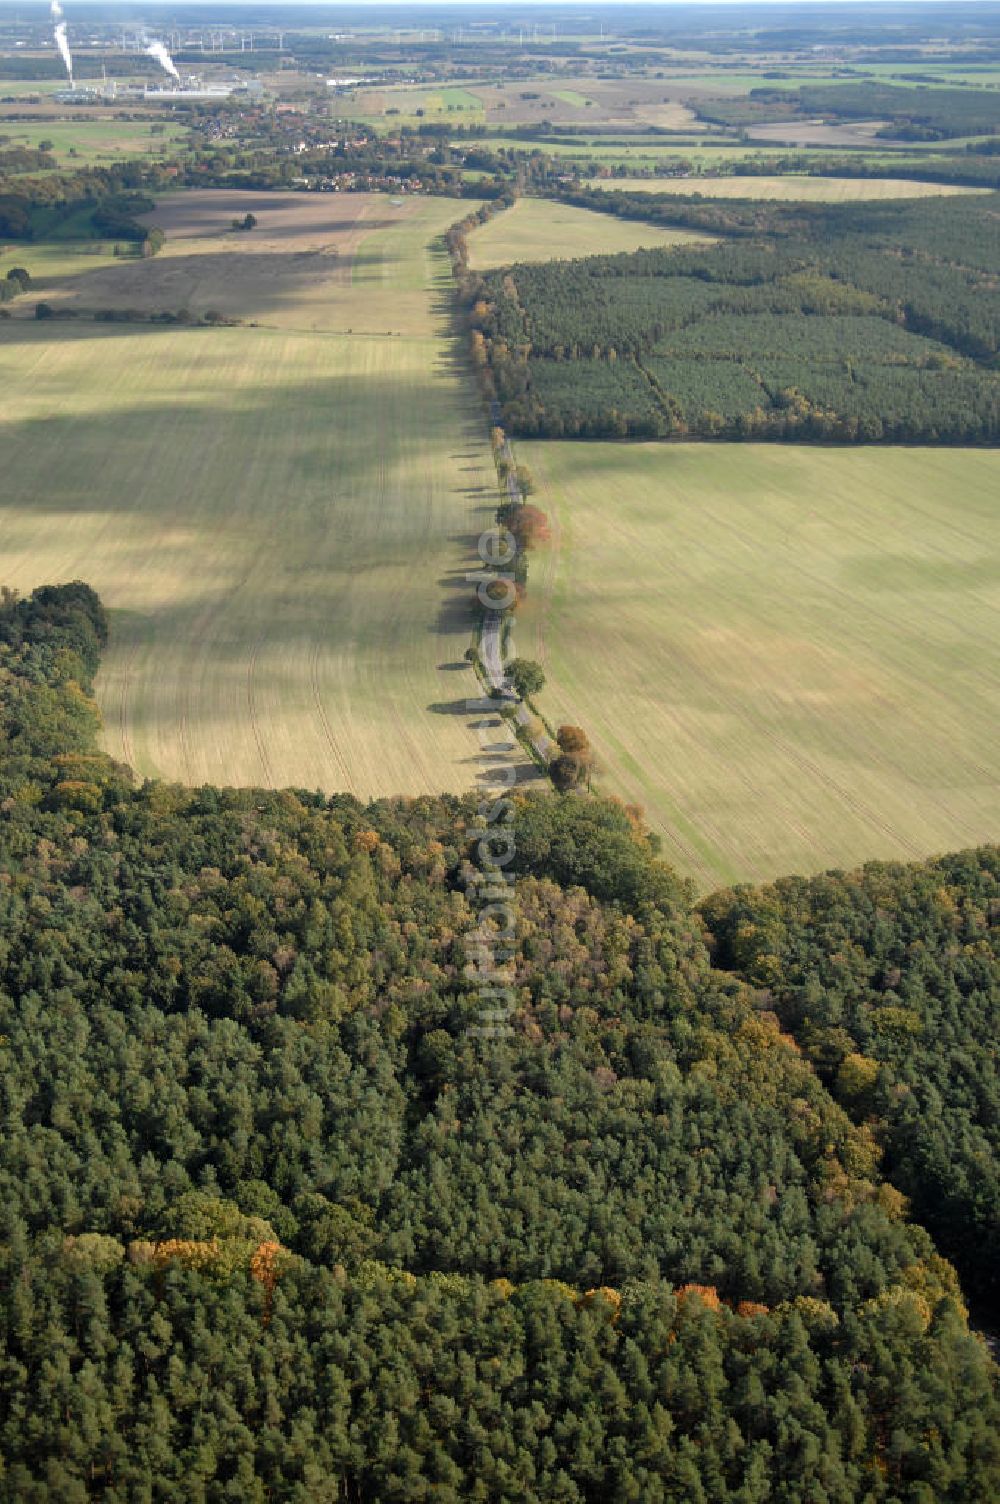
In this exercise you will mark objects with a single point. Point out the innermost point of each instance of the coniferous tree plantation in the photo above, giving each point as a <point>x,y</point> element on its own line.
<point>806,321</point>
<point>277,1224</point>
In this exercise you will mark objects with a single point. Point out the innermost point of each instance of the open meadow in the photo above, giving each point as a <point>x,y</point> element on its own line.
<point>279,517</point>
<point>788,655</point>
<point>91,143</point>
<point>540,230</point>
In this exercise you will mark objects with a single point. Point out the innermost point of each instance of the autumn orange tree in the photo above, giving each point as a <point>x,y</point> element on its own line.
<point>528,523</point>
<point>575,763</point>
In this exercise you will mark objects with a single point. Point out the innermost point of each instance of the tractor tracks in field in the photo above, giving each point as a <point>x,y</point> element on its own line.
<point>857,805</point>
<point>815,773</point>
<point>326,725</point>
<point>252,710</point>
<point>124,730</point>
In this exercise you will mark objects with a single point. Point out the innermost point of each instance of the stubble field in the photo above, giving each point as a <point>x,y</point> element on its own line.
<point>789,656</point>
<point>279,517</point>
<point>795,188</point>
<point>539,230</point>
<point>597,103</point>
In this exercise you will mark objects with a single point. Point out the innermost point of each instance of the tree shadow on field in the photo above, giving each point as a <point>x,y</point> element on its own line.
<point>229,510</point>
<point>240,278</point>
<point>453,707</point>
<point>253,471</point>
<point>455,614</point>
<point>37,332</point>
<point>196,213</point>
<point>244,283</point>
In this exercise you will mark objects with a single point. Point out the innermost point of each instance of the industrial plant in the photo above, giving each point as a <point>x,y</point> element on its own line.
<point>187,90</point>
<point>182,90</point>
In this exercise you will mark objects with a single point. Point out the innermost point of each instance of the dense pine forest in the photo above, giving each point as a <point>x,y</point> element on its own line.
<point>888,980</point>
<point>277,1225</point>
<point>847,323</point>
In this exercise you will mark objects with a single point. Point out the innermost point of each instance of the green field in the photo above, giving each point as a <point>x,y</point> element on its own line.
<point>935,75</point>
<point>573,97</point>
<point>93,142</point>
<point>541,230</point>
<point>17,88</point>
<point>51,262</point>
<point>647,153</point>
<point>408,104</point>
<point>279,517</point>
<point>789,656</point>
<point>813,189</point>
<point>461,99</point>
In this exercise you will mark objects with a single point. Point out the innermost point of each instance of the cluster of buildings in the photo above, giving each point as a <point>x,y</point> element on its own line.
<point>189,90</point>
<point>360,182</point>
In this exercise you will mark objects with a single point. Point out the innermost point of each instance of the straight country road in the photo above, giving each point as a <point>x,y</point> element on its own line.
<point>491,639</point>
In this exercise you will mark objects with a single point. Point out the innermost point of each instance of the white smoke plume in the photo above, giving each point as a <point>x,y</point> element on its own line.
<point>162,56</point>
<point>63,45</point>
<point>56,10</point>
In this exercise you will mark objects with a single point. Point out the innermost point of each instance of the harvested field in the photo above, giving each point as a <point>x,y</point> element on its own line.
<point>789,656</point>
<point>280,520</point>
<point>294,271</point>
<point>569,101</point>
<point>541,230</point>
<point>818,133</point>
<point>796,188</point>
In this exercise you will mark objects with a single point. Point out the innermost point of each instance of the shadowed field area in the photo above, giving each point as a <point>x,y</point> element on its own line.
<point>278,518</point>
<point>296,270</point>
<point>790,656</point>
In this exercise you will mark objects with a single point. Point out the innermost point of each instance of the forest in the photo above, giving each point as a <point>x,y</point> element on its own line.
<point>887,978</point>
<point>850,323</point>
<point>278,1225</point>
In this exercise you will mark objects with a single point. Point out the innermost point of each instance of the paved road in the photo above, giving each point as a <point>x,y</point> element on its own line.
<point>490,649</point>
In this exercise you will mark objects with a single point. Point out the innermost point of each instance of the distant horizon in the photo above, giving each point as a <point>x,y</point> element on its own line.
<point>580,5</point>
